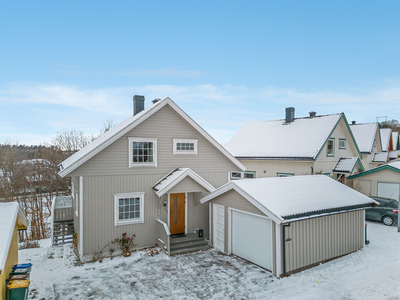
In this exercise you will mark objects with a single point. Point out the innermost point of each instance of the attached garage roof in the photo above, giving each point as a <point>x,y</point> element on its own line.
<point>10,216</point>
<point>393,166</point>
<point>289,198</point>
<point>380,157</point>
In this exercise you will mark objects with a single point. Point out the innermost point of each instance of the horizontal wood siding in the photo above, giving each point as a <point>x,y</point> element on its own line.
<point>98,208</point>
<point>318,239</point>
<point>165,125</point>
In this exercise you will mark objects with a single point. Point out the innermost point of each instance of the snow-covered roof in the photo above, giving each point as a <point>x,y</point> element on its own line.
<point>346,164</point>
<point>8,219</point>
<point>285,198</point>
<point>394,154</point>
<point>385,138</point>
<point>395,140</point>
<point>302,138</point>
<point>393,165</point>
<point>80,157</point>
<point>364,135</point>
<point>380,157</point>
<point>175,176</point>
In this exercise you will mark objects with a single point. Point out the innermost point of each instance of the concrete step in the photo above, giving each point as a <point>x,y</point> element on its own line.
<point>188,244</point>
<point>192,248</point>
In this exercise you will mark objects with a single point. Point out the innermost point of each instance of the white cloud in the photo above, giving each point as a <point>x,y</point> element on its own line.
<point>219,109</point>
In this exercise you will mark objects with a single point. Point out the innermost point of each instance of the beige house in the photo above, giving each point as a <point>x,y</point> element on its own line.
<point>298,146</point>
<point>382,181</point>
<point>12,219</point>
<point>145,177</point>
<point>368,138</point>
<point>287,224</point>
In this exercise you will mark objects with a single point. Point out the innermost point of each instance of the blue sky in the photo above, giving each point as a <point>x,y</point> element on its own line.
<point>75,64</point>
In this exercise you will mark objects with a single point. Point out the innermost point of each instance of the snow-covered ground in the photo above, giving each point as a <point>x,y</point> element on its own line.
<point>372,273</point>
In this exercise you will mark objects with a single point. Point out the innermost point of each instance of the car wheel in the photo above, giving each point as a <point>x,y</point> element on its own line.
<point>388,221</point>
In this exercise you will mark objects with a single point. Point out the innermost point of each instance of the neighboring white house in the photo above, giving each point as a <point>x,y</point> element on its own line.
<point>297,146</point>
<point>382,181</point>
<point>287,224</point>
<point>367,136</point>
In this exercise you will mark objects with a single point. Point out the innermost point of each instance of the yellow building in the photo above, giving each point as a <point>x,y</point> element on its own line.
<point>12,219</point>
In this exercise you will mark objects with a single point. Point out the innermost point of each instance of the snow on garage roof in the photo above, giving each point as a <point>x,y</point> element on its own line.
<point>284,198</point>
<point>347,164</point>
<point>8,219</point>
<point>394,154</point>
<point>364,135</point>
<point>385,138</point>
<point>302,138</point>
<point>83,155</point>
<point>393,166</point>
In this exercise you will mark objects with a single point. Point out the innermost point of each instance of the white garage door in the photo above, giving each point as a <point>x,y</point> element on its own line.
<point>388,190</point>
<point>252,238</point>
<point>218,226</point>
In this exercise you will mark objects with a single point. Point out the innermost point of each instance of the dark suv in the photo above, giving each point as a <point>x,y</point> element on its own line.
<point>386,212</point>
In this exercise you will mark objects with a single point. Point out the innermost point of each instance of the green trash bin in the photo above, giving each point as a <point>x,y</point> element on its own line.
<point>18,289</point>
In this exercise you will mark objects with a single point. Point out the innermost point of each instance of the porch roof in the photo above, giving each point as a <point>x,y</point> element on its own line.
<point>177,175</point>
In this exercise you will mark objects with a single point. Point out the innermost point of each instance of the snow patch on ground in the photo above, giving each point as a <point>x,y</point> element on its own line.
<point>372,273</point>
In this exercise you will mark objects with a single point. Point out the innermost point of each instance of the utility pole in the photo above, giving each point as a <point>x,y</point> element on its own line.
<point>377,118</point>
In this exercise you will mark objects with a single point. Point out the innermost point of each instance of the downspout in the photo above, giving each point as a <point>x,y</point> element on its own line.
<point>284,247</point>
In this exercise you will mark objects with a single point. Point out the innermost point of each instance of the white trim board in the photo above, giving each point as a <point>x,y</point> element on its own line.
<point>79,158</point>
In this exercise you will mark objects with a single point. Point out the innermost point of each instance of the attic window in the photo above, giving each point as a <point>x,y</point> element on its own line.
<point>330,148</point>
<point>142,152</point>
<point>342,144</point>
<point>186,146</point>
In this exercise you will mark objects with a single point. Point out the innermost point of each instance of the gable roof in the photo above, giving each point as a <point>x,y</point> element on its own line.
<point>286,198</point>
<point>347,164</point>
<point>395,140</point>
<point>394,154</point>
<point>10,214</point>
<point>385,138</point>
<point>83,155</point>
<point>393,166</point>
<point>173,178</point>
<point>301,139</point>
<point>364,135</point>
<point>380,157</point>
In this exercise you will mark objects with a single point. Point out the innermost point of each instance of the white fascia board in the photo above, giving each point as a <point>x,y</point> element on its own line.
<point>192,175</point>
<point>153,109</point>
<point>232,186</point>
<point>116,136</point>
<point>206,135</point>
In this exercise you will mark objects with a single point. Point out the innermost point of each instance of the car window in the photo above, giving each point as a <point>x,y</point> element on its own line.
<point>393,204</point>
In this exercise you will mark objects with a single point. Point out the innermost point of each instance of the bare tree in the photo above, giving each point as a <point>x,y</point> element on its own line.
<point>71,141</point>
<point>107,125</point>
<point>393,124</point>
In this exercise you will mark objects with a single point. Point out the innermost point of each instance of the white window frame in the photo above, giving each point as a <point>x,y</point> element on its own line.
<point>117,221</point>
<point>142,164</point>
<point>242,175</point>
<point>176,141</point>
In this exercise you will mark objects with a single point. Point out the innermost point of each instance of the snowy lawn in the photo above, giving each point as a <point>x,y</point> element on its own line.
<point>372,273</point>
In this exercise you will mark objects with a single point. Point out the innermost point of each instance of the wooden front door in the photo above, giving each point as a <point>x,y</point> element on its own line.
<point>177,213</point>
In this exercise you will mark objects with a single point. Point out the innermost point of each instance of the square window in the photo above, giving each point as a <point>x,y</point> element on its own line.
<point>129,208</point>
<point>142,152</point>
<point>342,144</point>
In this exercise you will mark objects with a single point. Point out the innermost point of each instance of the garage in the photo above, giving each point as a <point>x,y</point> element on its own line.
<point>388,190</point>
<point>252,238</point>
<point>287,224</point>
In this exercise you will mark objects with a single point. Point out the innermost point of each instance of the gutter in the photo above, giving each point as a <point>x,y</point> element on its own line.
<point>284,248</point>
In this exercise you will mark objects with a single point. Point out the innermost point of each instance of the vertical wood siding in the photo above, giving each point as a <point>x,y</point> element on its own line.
<point>187,185</point>
<point>318,239</point>
<point>98,209</point>
<point>165,125</point>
